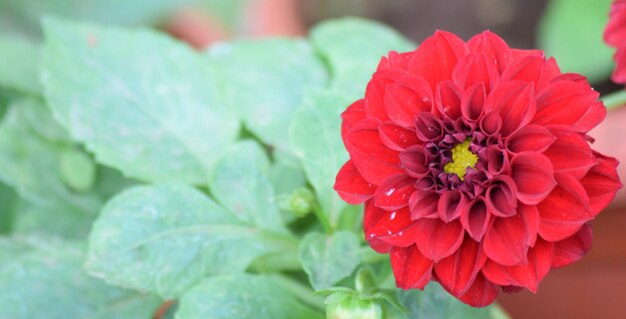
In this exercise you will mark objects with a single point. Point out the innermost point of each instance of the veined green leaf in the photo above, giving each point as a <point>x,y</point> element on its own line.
<point>327,259</point>
<point>239,182</point>
<point>315,136</point>
<point>166,238</point>
<point>42,278</point>
<point>265,80</point>
<point>140,101</point>
<point>248,297</point>
<point>353,47</point>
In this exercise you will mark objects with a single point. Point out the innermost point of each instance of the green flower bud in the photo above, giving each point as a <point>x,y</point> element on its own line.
<point>353,306</point>
<point>76,169</point>
<point>301,202</point>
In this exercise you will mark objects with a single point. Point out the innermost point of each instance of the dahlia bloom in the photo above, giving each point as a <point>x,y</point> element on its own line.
<point>615,36</point>
<point>474,165</point>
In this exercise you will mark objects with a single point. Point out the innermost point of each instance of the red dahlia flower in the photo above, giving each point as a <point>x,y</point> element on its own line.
<point>474,165</point>
<point>615,36</point>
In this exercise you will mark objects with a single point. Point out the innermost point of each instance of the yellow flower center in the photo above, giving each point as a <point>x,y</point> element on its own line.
<point>462,158</point>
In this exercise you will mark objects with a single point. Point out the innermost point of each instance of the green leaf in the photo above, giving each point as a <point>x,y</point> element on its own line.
<point>353,47</point>
<point>434,303</point>
<point>8,200</point>
<point>19,69</point>
<point>286,175</point>
<point>329,259</point>
<point>242,297</point>
<point>51,219</point>
<point>166,238</point>
<point>30,165</point>
<point>315,136</point>
<point>37,117</point>
<point>265,80</point>
<point>43,278</point>
<point>140,101</point>
<point>571,31</point>
<point>240,184</point>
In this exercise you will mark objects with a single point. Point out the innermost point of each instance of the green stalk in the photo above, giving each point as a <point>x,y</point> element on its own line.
<point>303,292</point>
<point>276,262</point>
<point>614,100</point>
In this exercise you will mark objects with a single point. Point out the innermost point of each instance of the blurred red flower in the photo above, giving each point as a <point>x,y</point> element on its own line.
<point>474,165</point>
<point>615,36</point>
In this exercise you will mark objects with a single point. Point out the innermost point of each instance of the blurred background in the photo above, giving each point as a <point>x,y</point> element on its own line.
<point>570,30</point>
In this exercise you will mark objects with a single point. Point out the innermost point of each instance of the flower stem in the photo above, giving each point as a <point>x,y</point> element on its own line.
<point>369,256</point>
<point>303,292</point>
<point>281,261</point>
<point>322,217</point>
<point>615,99</point>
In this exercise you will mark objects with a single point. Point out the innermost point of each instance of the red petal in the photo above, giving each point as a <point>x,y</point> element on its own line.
<point>423,204</point>
<point>473,102</point>
<point>601,183</point>
<point>393,228</point>
<point>497,160</point>
<point>351,186</point>
<point>436,58</point>
<point>476,218</point>
<point>501,197</point>
<point>531,218</point>
<point>528,276</point>
<point>476,68</point>
<point>515,101</point>
<point>532,69</point>
<point>573,248</point>
<point>615,33</point>
<point>415,161</point>
<point>491,123</point>
<point>496,49</point>
<point>565,210</point>
<point>352,115</point>
<point>564,103</point>
<point>411,269</point>
<point>531,138</point>
<point>570,152</point>
<point>438,240</point>
<point>371,157</point>
<point>450,205</point>
<point>394,193</point>
<point>592,117</point>
<point>482,292</point>
<point>396,137</point>
<point>428,127</point>
<point>533,175</point>
<point>457,272</point>
<point>619,73</point>
<point>506,242</point>
<point>404,102</point>
<point>448,99</point>
<point>375,95</point>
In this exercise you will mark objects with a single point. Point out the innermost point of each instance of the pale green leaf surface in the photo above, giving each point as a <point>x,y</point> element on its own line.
<point>353,47</point>
<point>247,297</point>
<point>329,259</point>
<point>571,31</point>
<point>166,238</point>
<point>43,278</point>
<point>140,101</point>
<point>265,80</point>
<point>19,65</point>
<point>435,303</point>
<point>51,219</point>
<point>239,182</point>
<point>315,136</point>
<point>30,165</point>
